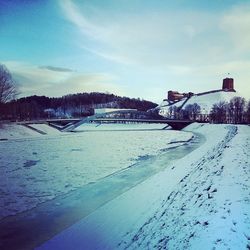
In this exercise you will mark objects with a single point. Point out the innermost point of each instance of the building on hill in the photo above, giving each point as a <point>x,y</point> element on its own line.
<point>174,96</point>
<point>228,84</point>
<point>206,100</point>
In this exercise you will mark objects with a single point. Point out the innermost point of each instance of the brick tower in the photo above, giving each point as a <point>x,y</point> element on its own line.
<point>228,84</point>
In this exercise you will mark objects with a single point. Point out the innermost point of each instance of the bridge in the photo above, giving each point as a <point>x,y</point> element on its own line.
<point>175,124</point>
<point>68,125</point>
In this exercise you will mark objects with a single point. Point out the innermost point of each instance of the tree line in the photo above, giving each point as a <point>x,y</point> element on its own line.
<point>190,112</point>
<point>76,105</point>
<point>236,111</point>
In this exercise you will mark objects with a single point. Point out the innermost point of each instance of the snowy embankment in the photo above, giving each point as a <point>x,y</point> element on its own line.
<point>199,202</point>
<point>45,129</point>
<point>35,168</point>
<point>13,131</point>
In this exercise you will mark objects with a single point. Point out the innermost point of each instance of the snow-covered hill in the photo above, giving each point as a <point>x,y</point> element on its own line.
<point>205,101</point>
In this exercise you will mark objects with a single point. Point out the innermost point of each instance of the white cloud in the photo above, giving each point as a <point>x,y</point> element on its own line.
<point>152,38</point>
<point>182,48</point>
<point>164,37</point>
<point>236,23</point>
<point>34,80</point>
<point>193,49</point>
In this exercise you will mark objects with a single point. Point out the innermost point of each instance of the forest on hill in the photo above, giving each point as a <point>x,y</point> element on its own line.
<point>74,105</point>
<point>68,106</point>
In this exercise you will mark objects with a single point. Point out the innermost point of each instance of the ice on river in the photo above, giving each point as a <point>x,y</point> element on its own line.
<point>35,168</point>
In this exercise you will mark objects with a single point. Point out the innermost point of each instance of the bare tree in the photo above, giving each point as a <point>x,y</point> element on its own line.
<point>170,112</point>
<point>236,109</point>
<point>193,110</point>
<point>218,113</point>
<point>247,113</point>
<point>174,112</point>
<point>8,89</point>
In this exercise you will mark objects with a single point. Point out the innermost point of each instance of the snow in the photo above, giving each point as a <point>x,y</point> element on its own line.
<point>35,168</point>
<point>205,101</point>
<point>46,129</point>
<point>13,131</point>
<point>198,202</point>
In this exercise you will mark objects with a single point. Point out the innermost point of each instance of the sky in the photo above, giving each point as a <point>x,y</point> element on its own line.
<point>135,48</point>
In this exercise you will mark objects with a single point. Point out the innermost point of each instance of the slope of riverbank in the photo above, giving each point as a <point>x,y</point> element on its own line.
<point>199,202</point>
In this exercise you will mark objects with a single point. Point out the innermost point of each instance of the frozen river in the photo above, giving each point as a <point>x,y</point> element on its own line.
<point>35,169</point>
<point>59,179</point>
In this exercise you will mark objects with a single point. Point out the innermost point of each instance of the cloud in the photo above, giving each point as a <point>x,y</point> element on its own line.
<point>236,23</point>
<point>193,49</point>
<point>54,81</point>
<point>56,68</point>
<point>163,38</point>
<point>153,39</point>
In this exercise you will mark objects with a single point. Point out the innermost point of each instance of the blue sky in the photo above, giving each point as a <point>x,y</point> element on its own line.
<point>137,48</point>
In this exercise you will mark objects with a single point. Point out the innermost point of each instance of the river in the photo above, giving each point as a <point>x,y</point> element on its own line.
<point>31,228</point>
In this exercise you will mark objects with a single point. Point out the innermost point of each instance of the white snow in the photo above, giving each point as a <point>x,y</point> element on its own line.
<point>46,129</point>
<point>38,168</point>
<point>205,101</point>
<point>14,131</point>
<point>199,202</point>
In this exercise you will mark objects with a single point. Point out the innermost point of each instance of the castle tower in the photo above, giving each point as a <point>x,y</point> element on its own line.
<point>228,84</point>
<point>174,95</point>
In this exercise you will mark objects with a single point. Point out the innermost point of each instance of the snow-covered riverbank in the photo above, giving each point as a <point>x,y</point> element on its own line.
<point>35,168</point>
<point>199,202</point>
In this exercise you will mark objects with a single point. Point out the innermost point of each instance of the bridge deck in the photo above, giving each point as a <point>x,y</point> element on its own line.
<point>71,124</point>
<point>175,124</point>
<point>137,120</point>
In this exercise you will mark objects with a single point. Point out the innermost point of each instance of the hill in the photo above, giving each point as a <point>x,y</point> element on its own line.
<point>75,105</point>
<point>204,100</point>
<point>189,105</point>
